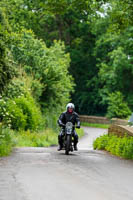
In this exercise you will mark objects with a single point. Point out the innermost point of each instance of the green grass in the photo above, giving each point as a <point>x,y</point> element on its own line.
<point>119,146</point>
<point>6,141</point>
<point>80,132</point>
<point>44,139</point>
<point>106,126</point>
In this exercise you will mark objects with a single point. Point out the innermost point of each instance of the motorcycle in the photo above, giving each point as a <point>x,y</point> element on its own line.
<point>68,142</point>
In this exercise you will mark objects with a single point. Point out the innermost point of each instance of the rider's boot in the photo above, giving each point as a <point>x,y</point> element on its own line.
<point>59,148</point>
<point>60,141</point>
<point>75,147</point>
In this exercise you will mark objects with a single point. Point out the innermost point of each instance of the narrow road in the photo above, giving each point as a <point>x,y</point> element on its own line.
<point>45,174</point>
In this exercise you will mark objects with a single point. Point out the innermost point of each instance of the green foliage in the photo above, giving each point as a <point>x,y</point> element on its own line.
<point>30,111</point>
<point>22,85</point>
<point>114,51</point>
<point>101,142</point>
<point>121,15</point>
<point>66,21</point>
<point>37,89</point>
<point>7,64</point>
<point>13,115</point>
<point>51,117</point>
<point>120,146</point>
<point>48,80</point>
<point>39,139</point>
<point>19,109</point>
<point>98,36</point>
<point>80,132</point>
<point>48,66</point>
<point>95,125</point>
<point>6,142</point>
<point>42,139</point>
<point>20,113</point>
<point>15,88</point>
<point>117,107</point>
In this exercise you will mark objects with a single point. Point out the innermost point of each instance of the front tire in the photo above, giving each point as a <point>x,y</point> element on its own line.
<point>68,144</point>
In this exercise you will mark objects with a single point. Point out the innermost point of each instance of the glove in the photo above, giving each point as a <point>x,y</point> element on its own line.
<point>62,125</point>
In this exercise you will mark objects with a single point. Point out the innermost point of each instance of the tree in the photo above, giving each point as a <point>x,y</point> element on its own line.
<point>47,66</point>
<point>97,34</point>
<point>114,52</point>
<point>117,107</point>
<point>65,20</point>
<point>6,60</point>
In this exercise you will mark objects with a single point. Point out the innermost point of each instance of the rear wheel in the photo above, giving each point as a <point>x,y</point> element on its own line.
<point>68,144</point>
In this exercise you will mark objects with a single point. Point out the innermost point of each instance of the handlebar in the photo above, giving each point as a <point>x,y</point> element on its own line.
<point>64,125</point>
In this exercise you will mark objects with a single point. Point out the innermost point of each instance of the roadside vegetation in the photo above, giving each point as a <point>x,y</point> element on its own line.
<point>52,53</point>
<point>35,85</point>
<point>35,139</point>
<point>119,146</point>
<point>41,139</point>
<point>11,138</point>
<point>6,141</point>
<point>105,126</point>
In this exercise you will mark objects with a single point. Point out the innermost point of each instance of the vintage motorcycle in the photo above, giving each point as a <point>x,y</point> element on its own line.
<point>68,142</point>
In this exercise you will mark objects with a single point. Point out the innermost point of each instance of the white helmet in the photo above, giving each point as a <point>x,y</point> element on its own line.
<point>70,105</point>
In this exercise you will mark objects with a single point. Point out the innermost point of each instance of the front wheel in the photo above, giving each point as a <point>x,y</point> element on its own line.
<point>68,144</point>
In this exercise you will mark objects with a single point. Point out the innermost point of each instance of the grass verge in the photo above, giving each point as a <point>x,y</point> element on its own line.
<point>44,139</point>
<point>32,139</point>
<point>106,126</point>
<point>9,139</point>
<point>119,146</point>
<point>6,141</point>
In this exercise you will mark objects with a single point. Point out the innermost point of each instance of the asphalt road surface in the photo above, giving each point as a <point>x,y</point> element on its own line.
<point>45,174</point>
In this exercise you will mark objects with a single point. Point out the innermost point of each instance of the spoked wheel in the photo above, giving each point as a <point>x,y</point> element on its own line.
<point>68,144</point>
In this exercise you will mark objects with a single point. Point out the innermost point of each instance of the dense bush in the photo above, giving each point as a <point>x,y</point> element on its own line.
<point>15,88</point>
<point>120,146</point>
<point>101,142</point>
<point>20,113</point>
<point>30,111</point>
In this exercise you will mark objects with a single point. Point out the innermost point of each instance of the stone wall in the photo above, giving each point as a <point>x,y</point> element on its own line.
<point>120,130</point>
<point>117,126</point>
<point>94,119</point>
<point>102,120</point>
<point>119,121</point>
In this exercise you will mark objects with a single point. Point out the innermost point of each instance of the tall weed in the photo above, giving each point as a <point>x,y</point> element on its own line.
<point>6,141</point>
<point>36,139</point>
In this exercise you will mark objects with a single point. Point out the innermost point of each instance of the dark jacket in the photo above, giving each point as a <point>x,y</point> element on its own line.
<point>69,117</point>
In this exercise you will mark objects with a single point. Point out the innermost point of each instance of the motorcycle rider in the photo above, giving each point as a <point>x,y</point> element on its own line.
<point>68,116</point>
